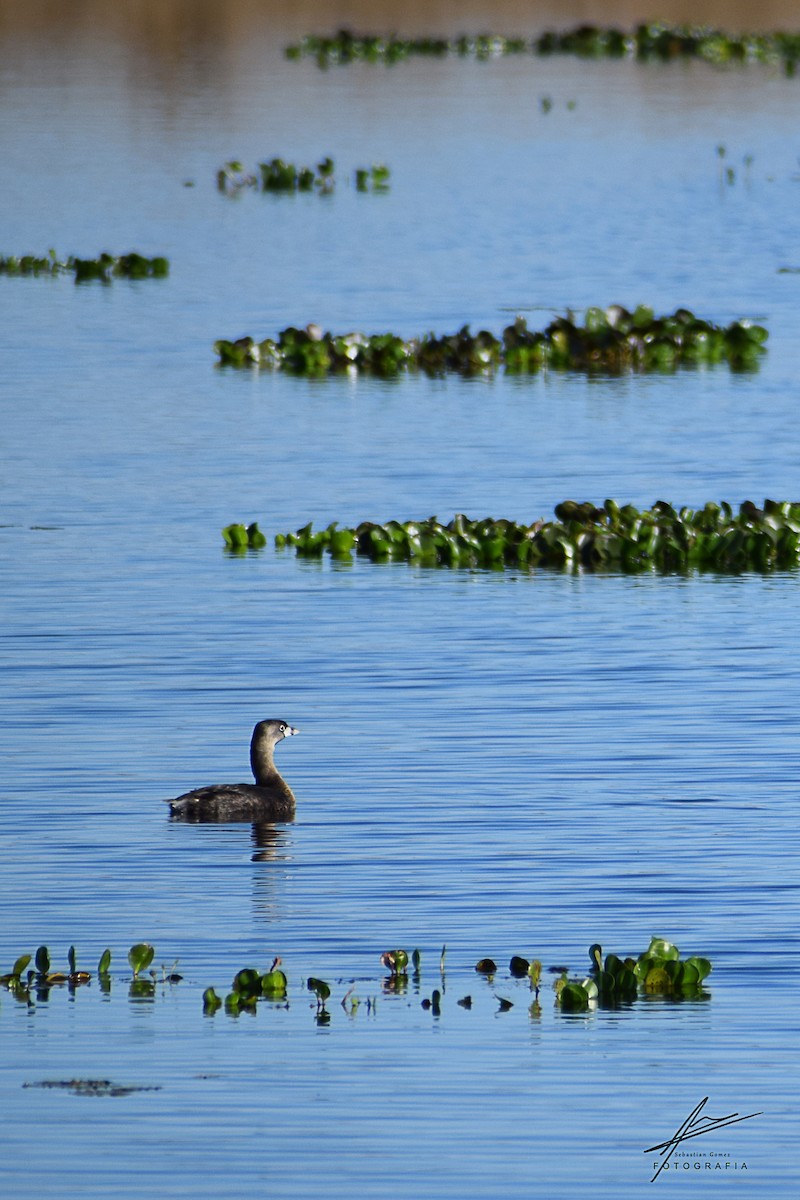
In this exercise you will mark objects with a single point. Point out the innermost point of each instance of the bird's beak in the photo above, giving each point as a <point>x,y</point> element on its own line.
<point>290,731</point>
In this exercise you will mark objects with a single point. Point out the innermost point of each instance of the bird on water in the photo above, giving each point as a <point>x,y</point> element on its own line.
<point>268,799</point>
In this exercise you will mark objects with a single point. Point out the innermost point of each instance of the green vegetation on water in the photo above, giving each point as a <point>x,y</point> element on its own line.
<point>31,983</point>
<point>651,41</point>
<point>611,340</point>
<point>103,268</point>
<point>658,971</point>
<point>279,176</point>
<point>611,981</point>
<point>583,536</point>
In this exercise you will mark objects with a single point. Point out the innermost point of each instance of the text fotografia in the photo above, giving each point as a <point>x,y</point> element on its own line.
<point>696,1125</point>
<point>700,1163</point>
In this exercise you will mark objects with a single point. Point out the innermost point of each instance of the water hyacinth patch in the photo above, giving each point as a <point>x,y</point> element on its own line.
<point>612,981</point>
<point>104,268</point>
<point>279,176</point>
<point>583,536</point>
<point>240,537</point>
<point>611,340</point>
<point>648,41</point>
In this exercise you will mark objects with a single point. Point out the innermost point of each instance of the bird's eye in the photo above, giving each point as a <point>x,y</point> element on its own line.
<point>283,729</point>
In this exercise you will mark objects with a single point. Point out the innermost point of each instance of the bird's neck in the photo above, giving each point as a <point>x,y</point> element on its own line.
<point>262,765</point>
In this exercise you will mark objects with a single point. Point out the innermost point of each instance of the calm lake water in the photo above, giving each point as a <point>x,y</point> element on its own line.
<point>502,763</point>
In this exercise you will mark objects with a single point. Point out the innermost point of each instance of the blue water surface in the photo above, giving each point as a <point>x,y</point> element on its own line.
<point>498,763</point>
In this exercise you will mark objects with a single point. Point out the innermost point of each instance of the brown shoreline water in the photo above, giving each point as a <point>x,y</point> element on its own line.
<point>164,25</point>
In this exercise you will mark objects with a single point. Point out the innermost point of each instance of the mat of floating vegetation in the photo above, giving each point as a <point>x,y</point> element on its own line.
<point>279,176</point>
<point>104,268</point>
<point>648,41</point>
<point>612,981</point>
<point>611,340</point>
<point>611,537</point>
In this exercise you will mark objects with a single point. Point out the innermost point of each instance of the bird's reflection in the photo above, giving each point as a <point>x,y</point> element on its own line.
<point>271,842</point>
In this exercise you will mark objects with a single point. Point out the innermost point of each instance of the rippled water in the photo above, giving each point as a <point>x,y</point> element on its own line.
<point>502,763</point>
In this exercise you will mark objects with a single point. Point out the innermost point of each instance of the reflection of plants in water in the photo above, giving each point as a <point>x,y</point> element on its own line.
<point>583,536</point>
<point>611,340</point>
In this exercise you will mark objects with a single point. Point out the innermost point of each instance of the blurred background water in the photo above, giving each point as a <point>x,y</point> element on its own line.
<point>505,763</point>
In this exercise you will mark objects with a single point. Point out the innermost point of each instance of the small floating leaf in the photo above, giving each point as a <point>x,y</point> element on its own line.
<point>573,997</point>
<point>140,957</point>
<point>273,984</point>
<point>486,966</point>
<point>104,963</point>
<point>701,965</point>
<point>43,960</point>
<point>657,979</point>
<point>660,948</point>
<point>211,1001</point>
<point>20,965</point>
<point>320,989</point>
<point>247,982</point>
<point>395,960</point>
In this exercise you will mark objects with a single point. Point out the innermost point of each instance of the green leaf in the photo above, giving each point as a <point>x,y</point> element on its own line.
<point>255,538</point>
<point>140,956</point>
<point>104,963</point>
<point>657,979</point>
<point>486,966</point>
<point>43,960</point>
<point>319,988</point>
<point>247,982</point>
<point>71,959</point>
<point>20,965</point>
<point>701,965</point>
<point>342,541</point>
<point>660,948</point>
<point>573,997</point>
<point>235,536</point>
<point>273,984</point>
<point>211,1001</point>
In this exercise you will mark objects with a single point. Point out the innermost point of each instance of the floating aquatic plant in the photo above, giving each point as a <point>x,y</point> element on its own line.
<point>611,981</point>
<point>279,176</point>
<point>103,268</point>
<point>611,340</point>
<point>648,41</point>
<point>22,979</point>
<point>397,961</point>
<point>612,537</point>
<point>372,179</point>
<point>241,537</point>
